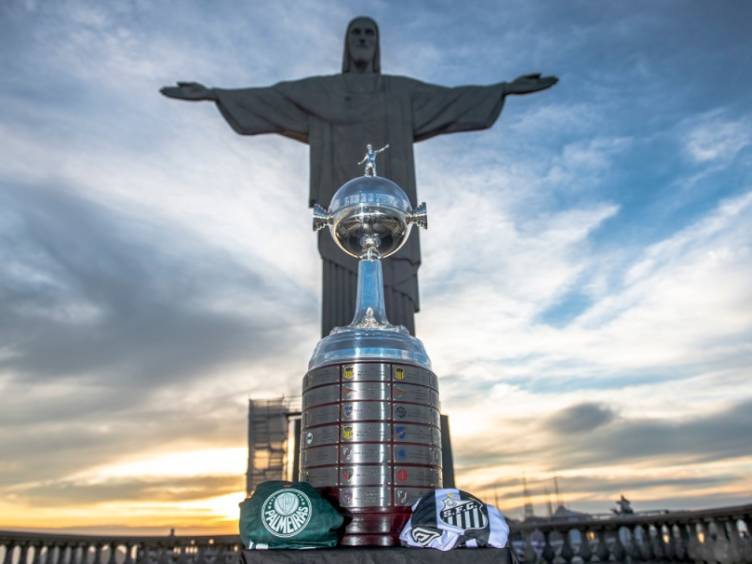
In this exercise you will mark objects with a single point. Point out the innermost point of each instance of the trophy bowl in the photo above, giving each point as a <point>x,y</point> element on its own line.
<point>370,216</point>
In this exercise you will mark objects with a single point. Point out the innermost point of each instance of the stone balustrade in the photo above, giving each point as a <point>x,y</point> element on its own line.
<point>40,548</point>
<point>714,535</point>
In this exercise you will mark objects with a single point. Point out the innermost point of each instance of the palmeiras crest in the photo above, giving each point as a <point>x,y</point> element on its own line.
<point>286,512</point>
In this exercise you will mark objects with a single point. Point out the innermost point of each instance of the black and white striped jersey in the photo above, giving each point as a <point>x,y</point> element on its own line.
<point>450,518</point>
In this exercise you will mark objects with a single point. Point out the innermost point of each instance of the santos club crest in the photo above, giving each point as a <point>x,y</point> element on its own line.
<point>286,512</point>
<point>463,513</point>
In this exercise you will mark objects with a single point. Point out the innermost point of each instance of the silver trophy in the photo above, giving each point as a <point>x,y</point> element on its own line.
<point>371,434</point>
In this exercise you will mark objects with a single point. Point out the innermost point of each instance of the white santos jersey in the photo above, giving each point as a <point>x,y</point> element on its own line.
<point>450,518</point>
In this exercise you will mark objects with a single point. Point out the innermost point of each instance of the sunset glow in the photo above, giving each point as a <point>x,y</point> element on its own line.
<point>585,280</point>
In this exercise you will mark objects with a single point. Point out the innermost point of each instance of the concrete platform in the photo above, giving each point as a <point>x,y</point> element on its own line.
<point>380,556</point>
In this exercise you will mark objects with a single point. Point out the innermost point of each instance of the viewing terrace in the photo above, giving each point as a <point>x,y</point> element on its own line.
<point>712,535</point>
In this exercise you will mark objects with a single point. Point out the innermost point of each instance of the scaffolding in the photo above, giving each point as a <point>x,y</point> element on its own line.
<point>270,440</point>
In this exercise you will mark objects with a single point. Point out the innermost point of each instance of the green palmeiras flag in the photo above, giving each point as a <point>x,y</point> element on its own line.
<point>288,515</point>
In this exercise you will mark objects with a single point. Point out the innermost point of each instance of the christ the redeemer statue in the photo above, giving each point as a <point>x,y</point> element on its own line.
<point>337,115</point>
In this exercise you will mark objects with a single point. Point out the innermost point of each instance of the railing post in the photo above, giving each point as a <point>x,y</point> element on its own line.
<point>62,554</point>
<point>680,536</point>
<point>82,554</point>
<point>37,559</point>
<point>165,555</point>
<point>722,547</point>
<point>585,552</point>
<point>46,558</point>
<point>229,555</point>
<point>140,553</point>
<point>682,542</point>
<point>529,554</point>
<point>694,548</point>
<point>659,553</point>
<point>633,549</point>
<point>667,535</point>
<point>549,554</point>
<point>24,556</point>
<point>10,549</point>
<point>617,550</point>
<point>746,539</point>
<point>646,543</point>
<point>735,547</point>
<point>199,557</point>
<point>218,557</point>
<point>601,551</point>
<point>183,557</point>
<point>566,548</point>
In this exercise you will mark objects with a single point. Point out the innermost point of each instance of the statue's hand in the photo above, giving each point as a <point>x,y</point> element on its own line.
<point>188,91</point>
<point>528,83</point>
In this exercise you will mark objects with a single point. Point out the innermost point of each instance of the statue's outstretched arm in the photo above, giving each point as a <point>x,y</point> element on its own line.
<point>528,83</point>
<point>192,91</point>
<point>384,148</point>
<point>364,160</point>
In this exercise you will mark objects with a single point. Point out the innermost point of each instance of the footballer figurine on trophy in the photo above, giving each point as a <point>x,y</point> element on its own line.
<point>371,437</point>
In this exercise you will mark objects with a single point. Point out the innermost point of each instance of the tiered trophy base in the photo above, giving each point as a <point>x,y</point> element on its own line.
<point>374,527</point>
<point>371,443</point>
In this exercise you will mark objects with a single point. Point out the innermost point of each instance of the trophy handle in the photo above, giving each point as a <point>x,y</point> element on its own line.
<point>419,216</point>
<point>321,218</point>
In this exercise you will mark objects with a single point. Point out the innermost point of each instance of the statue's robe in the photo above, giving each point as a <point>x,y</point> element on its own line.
<point>337,116</point>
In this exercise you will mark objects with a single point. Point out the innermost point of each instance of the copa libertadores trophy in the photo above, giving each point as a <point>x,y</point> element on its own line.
<point>371,436</point>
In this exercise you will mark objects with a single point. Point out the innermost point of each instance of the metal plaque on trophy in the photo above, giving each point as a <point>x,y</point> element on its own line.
<point>371,432</point>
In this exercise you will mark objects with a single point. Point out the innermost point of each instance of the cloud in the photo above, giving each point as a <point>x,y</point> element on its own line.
<point>584,163</point>
<point>170,489</point>
<point>613,442</point>
<point>86,292</point>
<point>720,435</point>
<point>105,316</point>
<point>585,483</point>
<point>581,418</point>
<point>715,136</point>
<point>686,292</point>
<point>90,436</point>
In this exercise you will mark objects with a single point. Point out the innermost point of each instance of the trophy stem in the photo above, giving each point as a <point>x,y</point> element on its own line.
<point>370,310</point>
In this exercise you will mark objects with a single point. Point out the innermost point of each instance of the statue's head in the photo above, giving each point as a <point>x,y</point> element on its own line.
<point>362,46</point>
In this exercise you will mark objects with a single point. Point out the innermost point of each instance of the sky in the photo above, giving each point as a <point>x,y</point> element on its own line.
<point>585,288</point>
